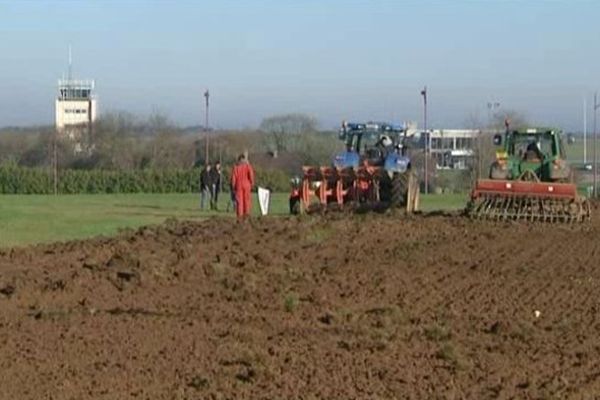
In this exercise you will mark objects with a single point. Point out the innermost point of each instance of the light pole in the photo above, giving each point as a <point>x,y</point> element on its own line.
<point>584,131</point>
<point>424,94</point>
<point>55,162</point>
<point>492,105</point>
<point>596,106</point>
<point>206,155</point>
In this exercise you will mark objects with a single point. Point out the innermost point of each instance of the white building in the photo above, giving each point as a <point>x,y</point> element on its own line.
<point>453,148</point>
<point>76,106</point>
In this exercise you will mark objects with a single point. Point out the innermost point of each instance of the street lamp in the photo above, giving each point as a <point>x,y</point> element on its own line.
<point>584,131</point>
<point>492,105</point>
<point>596,106</point>
<point>206,96</point>
<point>427,142</point>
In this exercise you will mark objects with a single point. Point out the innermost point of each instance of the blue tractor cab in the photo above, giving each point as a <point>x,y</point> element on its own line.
<point>378,144</point>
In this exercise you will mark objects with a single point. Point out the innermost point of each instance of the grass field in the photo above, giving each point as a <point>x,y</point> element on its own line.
<point>575,150</point>
<point>27,219</point>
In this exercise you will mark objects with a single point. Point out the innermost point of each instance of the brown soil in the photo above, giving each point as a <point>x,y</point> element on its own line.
<point>364,307</point>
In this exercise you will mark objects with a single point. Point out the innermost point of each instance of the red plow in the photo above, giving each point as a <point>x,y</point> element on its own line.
<point>362,188</point>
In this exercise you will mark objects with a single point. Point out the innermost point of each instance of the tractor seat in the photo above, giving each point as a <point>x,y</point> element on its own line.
<point>373,154</point>
<point>531,156</point>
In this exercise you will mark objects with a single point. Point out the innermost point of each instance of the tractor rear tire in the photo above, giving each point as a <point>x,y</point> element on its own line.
<point>399,190</point>
<point>412,198</point>
<point>405,192</point>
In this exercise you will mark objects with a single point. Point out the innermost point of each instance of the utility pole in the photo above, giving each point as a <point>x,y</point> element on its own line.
<point>596,106</point>
<point>492,105</point>
<point>424,94</point>
<point>55,162</point>
<point>584,131</point>
<point>70,65</point>
<point>206,128</point>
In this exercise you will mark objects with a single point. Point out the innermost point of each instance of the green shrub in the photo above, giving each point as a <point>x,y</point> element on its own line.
<point>23,180</point>
<point>276,180</point>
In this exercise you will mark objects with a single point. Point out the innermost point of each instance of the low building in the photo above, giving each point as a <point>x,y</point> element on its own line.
<point>452,148</point>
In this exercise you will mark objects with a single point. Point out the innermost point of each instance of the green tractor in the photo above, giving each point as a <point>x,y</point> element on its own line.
<point>530,180</point>
<point>534,154</point>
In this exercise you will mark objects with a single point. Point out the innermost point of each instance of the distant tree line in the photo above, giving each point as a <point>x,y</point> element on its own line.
<point>124,153</point>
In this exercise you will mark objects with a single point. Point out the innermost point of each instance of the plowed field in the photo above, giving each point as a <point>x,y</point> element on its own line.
<point>362,307</point>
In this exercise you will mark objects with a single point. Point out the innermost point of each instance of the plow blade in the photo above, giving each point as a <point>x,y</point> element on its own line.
<point>357,189</point>
<point>527,200</point>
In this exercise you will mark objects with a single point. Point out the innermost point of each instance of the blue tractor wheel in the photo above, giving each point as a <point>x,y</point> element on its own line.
<point>405,191</point>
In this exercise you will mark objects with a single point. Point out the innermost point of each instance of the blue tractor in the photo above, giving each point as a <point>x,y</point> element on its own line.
<point>374,171</point>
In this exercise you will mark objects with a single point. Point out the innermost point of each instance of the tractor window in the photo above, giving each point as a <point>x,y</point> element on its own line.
<point>522,143</point>
<point>562,153</point>
<point>545,143</point>
<point>369,141</point>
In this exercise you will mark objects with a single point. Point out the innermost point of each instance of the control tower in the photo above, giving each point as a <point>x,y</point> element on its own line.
<point>76,104</point>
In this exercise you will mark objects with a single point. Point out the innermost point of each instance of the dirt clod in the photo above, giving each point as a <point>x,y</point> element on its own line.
<point>7,290</point>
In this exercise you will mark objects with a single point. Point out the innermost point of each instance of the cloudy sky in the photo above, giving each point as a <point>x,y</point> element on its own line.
<point>336,59</point>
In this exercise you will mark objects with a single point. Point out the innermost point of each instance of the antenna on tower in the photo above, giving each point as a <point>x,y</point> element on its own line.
<point>70,64</point>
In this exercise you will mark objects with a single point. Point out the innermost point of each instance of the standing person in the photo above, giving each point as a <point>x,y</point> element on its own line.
<point>242,180</point>
<point>205,186</point>
<point>216,186</point>
<point>232,200</point>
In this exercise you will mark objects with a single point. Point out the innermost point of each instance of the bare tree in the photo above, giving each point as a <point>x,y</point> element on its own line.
<point>158,122</point>
<point>480,145</point>
<point>318,147</point>
<point>281,128</point>
<point>171,150</point>
<point>516,119</point>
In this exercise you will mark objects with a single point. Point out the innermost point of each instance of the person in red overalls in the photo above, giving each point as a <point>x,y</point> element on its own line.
<point>242,180</point>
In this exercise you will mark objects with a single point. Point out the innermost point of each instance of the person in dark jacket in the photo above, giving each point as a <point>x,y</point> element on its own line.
<point>206,185</point>
<point>216,185</point>
<point>232,201</point>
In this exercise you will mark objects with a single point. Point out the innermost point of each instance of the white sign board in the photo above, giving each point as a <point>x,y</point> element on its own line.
<point>264,198</point>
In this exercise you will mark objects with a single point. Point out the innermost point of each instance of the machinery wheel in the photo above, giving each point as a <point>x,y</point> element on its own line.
<point>295,206</point>
<point>399,190</point>
<point>405,192</point>
<point>412,200</point>
<point>385,189</point>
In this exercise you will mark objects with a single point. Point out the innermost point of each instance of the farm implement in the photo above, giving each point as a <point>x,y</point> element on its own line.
<point>530,180</point>
<point>373,173</point>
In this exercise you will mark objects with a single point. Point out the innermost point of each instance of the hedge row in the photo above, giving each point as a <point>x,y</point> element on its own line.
<point>20,180</point>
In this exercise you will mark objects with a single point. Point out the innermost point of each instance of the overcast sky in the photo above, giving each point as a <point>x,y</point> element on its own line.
<point>355,60</point>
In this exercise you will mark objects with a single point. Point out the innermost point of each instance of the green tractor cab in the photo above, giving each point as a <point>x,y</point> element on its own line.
<point>530,180</point>
<point>536,154</point>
